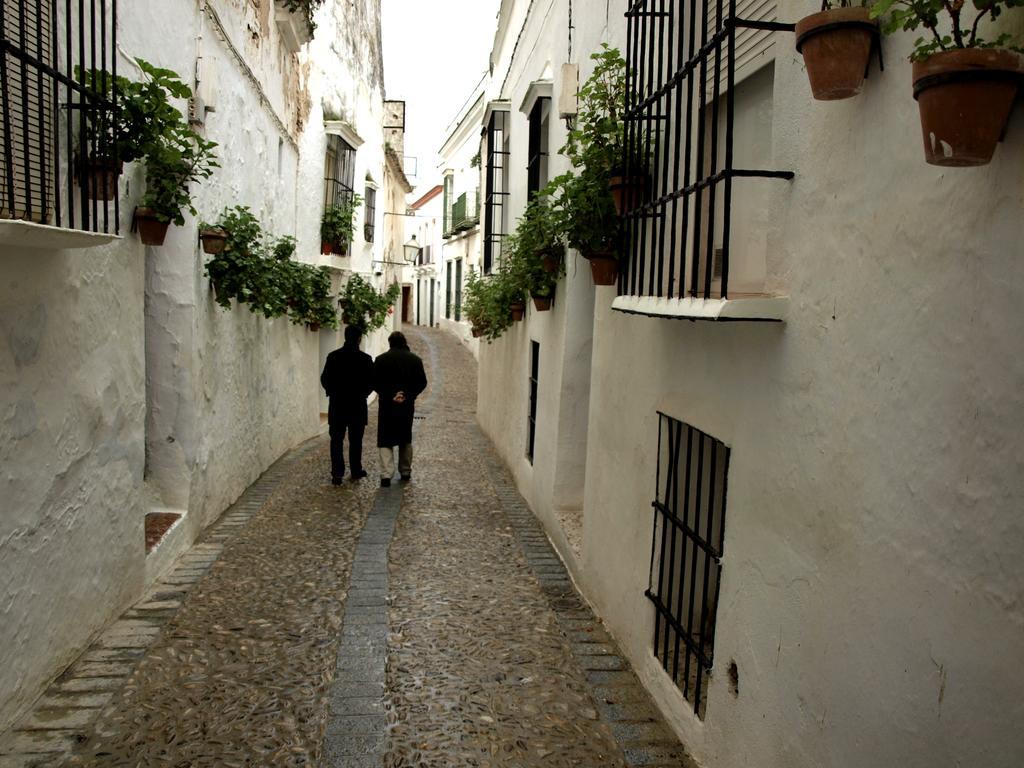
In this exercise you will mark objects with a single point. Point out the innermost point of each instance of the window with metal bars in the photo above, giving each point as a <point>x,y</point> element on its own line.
<point>458,290</point>
<point>339,171</point>
<point>698,136</point>
<point>446,227</point>
<point>54,131</point>
<point>448,292</point>
<point>686,554</point>
<point>534,378</point>
<point>496,141</point>
<point>537,168</point>
<point>370,209</point>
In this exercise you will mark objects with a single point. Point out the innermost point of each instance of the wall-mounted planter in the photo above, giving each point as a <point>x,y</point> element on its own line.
<point>604,267</point>
<point>100,177</point>
<point>836,46</point>
<point>477,332</point>
<point>326,248</point>
<point>542,303</point>
<point>152,231</point>
<point>314,327</point>
<point>627,192</point>
<point>518,310</point>
<point>339,249</point>
<point>552,260</point>
<point>214,240</point>
<point>964,97</point>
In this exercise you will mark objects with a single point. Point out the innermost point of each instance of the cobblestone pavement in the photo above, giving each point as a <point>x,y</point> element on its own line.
<point>429,624</point>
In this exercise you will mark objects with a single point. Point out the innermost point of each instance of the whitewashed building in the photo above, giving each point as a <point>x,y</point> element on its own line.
<point>819,500</point>
<point>426,216</point>
<point>124,389</point>
<point>462,249</point>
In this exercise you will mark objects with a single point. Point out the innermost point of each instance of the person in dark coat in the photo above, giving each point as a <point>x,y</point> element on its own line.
<point>398,378</point>
<point>348,380</point>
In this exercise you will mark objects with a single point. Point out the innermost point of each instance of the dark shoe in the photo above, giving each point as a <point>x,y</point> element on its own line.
<point>406,478</point>
<point>335,480</point>
<point>359,475</point>
<point>385,482</point>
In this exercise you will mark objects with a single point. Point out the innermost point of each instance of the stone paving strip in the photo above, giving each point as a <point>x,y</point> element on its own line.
<point>355,725</point>
<point>62,718</point>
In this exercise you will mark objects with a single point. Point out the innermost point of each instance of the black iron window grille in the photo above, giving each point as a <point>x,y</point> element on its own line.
<point>339,172</point>
<point>537,168</point>
<point>52,125</point>
<point>448,292</point>
<point>534,378</point>
<point>683,62</point>
<point>496,138</point>
<point>458,290</point>
<point>370,210</point>
<point>446,225</point>
<point>686,554</point>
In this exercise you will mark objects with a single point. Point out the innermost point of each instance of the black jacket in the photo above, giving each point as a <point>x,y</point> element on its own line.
<point>397,370</point>
<point>348,380</point>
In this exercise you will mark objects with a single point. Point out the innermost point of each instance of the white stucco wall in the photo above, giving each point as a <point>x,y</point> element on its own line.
<point>123,386</point>
<point>871,587</point>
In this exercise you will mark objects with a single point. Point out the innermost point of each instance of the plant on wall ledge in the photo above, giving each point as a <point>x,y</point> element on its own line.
<point>836,44</point>
<point>363,306</point>
<point>338,224</point>
<point>171,168</point>
<point>306,8</point>
<point>965,83</point>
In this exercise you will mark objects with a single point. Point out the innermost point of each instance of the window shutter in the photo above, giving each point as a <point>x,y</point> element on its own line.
<point>754,47</point>
<point>26,130</point>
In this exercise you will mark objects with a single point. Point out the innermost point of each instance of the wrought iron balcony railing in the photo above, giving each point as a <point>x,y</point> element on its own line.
<point>465,211</point>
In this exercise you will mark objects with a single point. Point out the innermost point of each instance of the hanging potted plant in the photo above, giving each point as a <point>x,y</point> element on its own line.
<point>836,45</point>
<point>213,238</point>
<point>171,166</point>
<point>337,226</point>
<point>144,119</point>
<point>588,221</point>
<point>964,84</point>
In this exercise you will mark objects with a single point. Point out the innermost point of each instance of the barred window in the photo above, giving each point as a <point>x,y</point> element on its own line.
<point>698,147</point>
<point>446,229</point>
<point>496,213</point>
<point>59,164</point>
<point>458,290</point>
<point>537,168</point>
<point>448,292</point>
<point>370,207</point>
<point>339,171</point>
<point>534,379</point>
<point>686,553</point>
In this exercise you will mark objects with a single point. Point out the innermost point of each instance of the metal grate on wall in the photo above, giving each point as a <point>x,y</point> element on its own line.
<point>54,123</point>
<point>534,382</point>
<point>686,554</point>
<point>339,171</point>
<point>496,191</point>
<point>537,165</point>
<point>370,213</point>
<point>684,60</point>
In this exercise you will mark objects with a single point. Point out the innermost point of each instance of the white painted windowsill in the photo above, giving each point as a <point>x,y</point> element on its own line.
<point>754,308</point>
<point>27,234</point>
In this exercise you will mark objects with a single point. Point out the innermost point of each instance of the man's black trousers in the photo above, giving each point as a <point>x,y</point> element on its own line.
<point>355,447</point>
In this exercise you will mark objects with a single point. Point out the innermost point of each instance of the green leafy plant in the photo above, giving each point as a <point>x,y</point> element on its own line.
<point>171,167</point>
<point>910,15</point>
<point>283,248</point>
<point>475,160</point>
<point>363,306</point>
<point>338,223</point>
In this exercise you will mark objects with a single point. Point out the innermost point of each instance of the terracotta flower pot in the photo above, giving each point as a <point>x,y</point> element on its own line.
<point>100,177</point>
<point>542,303</point>
<point>214,240</point>
<point>627,191</point>
<point>326,247</point>
<point>314,327</point>
<point>551,261</point>
<point>152,231</point>
<point>604,267</point>
<point>836,45</point>
<point>477,332</point>
<point>964,97</point>
<point>518,311</point>
<point>339,249</point>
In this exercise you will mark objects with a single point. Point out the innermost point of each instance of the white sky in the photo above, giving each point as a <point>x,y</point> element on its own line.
<point>435,52</point>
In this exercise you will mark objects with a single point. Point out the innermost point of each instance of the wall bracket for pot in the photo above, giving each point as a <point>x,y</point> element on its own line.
<point>872,29</point>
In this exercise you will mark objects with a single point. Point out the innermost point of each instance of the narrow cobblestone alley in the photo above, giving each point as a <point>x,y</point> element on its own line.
<point>444,632</point>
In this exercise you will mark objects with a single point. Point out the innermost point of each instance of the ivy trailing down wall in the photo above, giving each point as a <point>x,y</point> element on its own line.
<point>257,269</point>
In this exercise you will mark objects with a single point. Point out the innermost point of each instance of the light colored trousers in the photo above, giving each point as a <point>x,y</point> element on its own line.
<point>387,460</point>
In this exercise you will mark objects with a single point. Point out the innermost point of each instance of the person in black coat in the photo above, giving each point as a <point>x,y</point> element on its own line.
<point>398,378</point>
<point>348,380</point>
